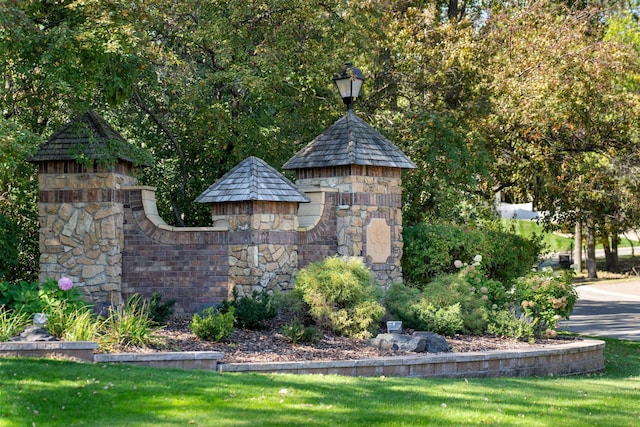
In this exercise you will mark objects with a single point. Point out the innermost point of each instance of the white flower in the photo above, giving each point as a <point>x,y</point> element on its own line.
<point>477,258</point>
<point>458,264</point>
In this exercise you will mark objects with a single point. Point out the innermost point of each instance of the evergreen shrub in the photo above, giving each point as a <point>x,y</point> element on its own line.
<point>342,296</point>
<point>213,325</point>
<point>253,311</point>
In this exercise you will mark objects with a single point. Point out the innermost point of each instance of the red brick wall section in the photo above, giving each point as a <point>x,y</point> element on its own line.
<point>190,266</point>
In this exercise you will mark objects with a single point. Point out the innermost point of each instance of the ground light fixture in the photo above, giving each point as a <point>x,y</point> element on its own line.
<point>349,84</point>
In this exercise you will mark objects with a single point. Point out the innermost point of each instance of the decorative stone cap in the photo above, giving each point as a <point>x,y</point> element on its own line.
<point>252,179</point>
<point>350,141</point>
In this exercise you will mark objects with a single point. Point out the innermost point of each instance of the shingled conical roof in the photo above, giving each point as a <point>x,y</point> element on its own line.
<point>350,141</point>
<point>252,179</point>
<point>86,136</point>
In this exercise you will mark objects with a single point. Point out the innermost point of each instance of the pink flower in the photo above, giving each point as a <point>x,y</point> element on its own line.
<point>65,283</point>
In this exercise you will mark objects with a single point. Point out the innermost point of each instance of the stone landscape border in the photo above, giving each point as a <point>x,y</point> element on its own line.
<point>582,356</point>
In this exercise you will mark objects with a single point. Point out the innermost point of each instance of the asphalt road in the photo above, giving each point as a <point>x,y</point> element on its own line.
<point>607,310</point>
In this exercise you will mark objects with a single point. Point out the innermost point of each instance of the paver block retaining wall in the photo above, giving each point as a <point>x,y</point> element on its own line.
<point>576,357</point>
<point>75,350</point>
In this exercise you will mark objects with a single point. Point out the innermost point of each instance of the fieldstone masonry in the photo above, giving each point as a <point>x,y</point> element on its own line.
<point>102,230</point>
<point>81,235</point>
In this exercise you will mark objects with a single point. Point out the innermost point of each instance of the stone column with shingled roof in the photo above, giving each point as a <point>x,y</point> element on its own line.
<point>80,210</point>
<point>357,173</point>
<point>258,206</point>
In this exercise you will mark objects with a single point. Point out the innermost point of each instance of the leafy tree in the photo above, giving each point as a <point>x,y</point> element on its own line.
<point>557,104</point>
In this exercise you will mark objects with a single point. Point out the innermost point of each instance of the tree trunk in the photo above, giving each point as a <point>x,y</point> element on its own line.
<point>592,271</point>
<point>615,261</point>
<point>577,250</point>
<point>604,240</point>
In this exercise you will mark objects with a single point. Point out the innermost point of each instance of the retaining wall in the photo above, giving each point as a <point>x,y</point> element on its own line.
<point>573,358</point>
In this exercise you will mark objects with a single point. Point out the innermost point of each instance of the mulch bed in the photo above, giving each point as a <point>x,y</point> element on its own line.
<point>269,345</point>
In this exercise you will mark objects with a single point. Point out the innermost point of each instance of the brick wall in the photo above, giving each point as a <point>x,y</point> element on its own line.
<point>190,265</point>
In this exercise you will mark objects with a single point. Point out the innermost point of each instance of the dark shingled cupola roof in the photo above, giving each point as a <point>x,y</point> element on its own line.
<point>350,141</point>
<point>252,179</point>
<point>86,136</point>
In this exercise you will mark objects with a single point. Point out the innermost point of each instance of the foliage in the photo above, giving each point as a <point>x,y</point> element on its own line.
<point>72,323</point>
<point>297,332</point>
<point>213,325</point>
<point>446,306</point>
<point>509,323</point>
<point>32,297</point>
<point>127,325</point>
<point>251,311</point>
<point>563,115</point>
<point>12,322</point>
<point>546,299</point>
<point>341,294</point>
<point>431,249</point>
<point>159,311</point>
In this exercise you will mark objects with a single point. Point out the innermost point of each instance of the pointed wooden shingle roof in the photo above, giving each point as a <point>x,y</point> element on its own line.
<point>350,141</point>
<point>86,136</point>
<point>252,179</point>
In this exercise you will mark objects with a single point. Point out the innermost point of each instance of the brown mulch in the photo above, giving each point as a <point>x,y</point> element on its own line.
<point>269,345</point>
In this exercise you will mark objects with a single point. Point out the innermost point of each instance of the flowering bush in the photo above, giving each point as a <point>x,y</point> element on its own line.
<point>493,293</point>
<point>54,293</point>
<point>546,298</point>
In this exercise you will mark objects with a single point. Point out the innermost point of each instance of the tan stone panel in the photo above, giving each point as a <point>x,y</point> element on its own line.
<point>378,240</point>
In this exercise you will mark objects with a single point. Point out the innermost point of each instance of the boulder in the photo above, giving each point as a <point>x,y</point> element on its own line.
<point>398,342</point>
<point>419,342</point>
<point>434,343</point>
<point>34,334</point>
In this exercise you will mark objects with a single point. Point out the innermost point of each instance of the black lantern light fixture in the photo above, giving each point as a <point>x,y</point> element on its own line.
<point>349,84</point>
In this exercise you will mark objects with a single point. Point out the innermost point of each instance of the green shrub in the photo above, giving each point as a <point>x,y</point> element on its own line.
<point>297,332</point>
<point>23,296</point>
<point>430,250</point>
<point>507,323</point>
<point>213,325</point>
<point>290,305</point>
<point>546,299</point>
<point>12,322</point>
<point>251,311</point>
<point>31,297</point>
<point>446,306</point>
<point>493,293</point>
<point>128,325</point>
<point>160,312</point>
<point>342,296</point>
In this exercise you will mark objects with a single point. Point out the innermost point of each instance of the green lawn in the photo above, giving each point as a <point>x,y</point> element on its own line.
<point>554,242</point>
<point>59,393</point>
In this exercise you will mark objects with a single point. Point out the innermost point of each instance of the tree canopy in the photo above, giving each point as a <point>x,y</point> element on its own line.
<point>535,99</point>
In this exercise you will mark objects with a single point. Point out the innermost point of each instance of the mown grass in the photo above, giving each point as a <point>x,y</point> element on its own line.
<point>61,393</point>
<point>554,242</point>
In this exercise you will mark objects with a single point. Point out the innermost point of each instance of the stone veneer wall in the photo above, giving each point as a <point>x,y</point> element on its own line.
<point>263,255</point>
<point>364,204</point>
<point>104,232</point>
<point>80,214</point>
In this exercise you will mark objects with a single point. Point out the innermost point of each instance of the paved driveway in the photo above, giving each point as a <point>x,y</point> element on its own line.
<point>607,310</point>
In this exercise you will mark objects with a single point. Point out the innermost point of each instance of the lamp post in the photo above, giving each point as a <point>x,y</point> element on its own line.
<point>349,84</point>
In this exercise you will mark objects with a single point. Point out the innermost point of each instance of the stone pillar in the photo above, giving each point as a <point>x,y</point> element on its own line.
<point>368,214</point>
<point>81,226</point>
<point>263,255</point>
